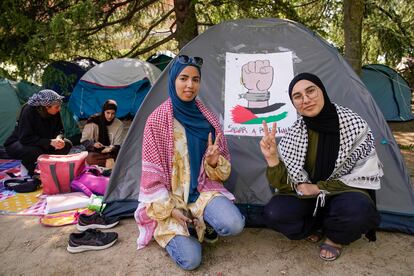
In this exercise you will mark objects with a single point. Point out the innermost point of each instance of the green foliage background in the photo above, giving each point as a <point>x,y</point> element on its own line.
<point>34,33</point>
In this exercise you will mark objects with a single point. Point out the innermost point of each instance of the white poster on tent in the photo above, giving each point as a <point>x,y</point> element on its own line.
<point>256,89</point>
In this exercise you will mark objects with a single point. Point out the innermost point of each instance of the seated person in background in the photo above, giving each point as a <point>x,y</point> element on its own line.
<point>39,130</point>
<point>102,135</point>
<point>325,171</point>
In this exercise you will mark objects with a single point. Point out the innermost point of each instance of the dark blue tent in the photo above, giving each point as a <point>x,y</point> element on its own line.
<point>62,76</point>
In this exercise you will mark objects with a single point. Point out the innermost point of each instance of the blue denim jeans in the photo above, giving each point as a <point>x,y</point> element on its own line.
<point>223,216</point>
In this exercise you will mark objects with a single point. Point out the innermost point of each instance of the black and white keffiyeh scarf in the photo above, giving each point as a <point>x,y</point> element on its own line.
<point>45,97</point>
<point>357,164</point>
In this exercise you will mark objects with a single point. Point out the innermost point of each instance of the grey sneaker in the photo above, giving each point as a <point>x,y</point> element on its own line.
<point>91,239</point>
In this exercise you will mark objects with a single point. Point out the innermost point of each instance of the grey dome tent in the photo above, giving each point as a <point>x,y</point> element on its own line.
<point>390,91</point>
<point>247,181</point>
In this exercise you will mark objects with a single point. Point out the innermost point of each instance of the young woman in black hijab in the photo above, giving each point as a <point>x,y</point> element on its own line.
<point>324,169</point>
<point>102,135</point>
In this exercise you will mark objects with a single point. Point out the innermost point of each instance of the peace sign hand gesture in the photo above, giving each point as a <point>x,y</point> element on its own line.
<point>268,145</point>
<point>213,151</point>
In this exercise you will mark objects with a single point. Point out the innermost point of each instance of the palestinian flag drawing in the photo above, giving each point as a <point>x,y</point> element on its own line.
<point>248,116</point>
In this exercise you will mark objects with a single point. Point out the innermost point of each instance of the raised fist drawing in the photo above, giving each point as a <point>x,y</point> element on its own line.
<point>257,77</point>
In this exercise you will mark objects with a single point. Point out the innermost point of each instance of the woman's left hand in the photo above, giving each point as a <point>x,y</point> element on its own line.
<point>213,151</point>
<point>308,189</point>
<point>107,149</point>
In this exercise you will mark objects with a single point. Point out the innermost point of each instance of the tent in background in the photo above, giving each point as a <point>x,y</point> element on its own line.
<point>161,59</point>
<point>25,90</point>
<point>125,80</point>
<point>86,62</point>
<point>62,76</point>
<point>390,91</point>
<point>9,108</point>
<point>22,91</point>
<point>311,53</point>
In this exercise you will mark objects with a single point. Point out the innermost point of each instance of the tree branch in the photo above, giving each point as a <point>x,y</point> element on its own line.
<point>392,17</point>
<point>205,24</point>
<point>153,46</point>
<point>147,33</point>
<point>305,4</point>
<point>106,23</point>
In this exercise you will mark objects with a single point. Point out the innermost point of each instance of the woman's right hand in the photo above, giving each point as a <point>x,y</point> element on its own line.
<point>57,143</point>
<point>268,145</point>
<point>180,217</point>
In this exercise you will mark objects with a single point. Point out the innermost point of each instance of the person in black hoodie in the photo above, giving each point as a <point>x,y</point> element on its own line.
<point>39,130</point>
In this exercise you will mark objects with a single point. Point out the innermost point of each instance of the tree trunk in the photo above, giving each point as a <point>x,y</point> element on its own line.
<point>186,22</point>
<point>353,15</point>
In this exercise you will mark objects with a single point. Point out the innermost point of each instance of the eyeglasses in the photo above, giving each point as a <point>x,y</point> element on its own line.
<point>183,59</point>
<point>311,93</point>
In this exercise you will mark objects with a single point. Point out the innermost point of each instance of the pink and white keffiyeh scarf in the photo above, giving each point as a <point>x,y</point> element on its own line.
<point>157,162</point>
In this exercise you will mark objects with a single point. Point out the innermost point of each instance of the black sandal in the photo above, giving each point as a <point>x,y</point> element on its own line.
<point>335,251</point>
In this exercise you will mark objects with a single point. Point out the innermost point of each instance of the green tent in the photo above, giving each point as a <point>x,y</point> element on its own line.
<point>25,90</point>
<point>390,91</point>
<point>13,95</point>
<point>72,131</point>
<point>9,108</point>
<point>161,60</point>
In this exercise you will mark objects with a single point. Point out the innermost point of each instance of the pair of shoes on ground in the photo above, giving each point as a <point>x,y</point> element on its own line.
<point>90,237</point>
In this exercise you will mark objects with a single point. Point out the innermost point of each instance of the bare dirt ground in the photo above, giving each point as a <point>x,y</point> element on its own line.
<point>28,248</point>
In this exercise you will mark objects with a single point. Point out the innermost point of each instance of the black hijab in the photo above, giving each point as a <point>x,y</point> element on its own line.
<point>326,123</point>
<point>102,123</point>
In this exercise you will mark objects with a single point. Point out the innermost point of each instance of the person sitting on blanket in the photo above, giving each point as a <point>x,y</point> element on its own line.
<point>39,130</point>
<point>325,169</point>
<point>183,167</point>
<point>102,135</point>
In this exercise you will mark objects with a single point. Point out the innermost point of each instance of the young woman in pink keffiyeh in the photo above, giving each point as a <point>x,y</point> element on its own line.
<point>184,163</point>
